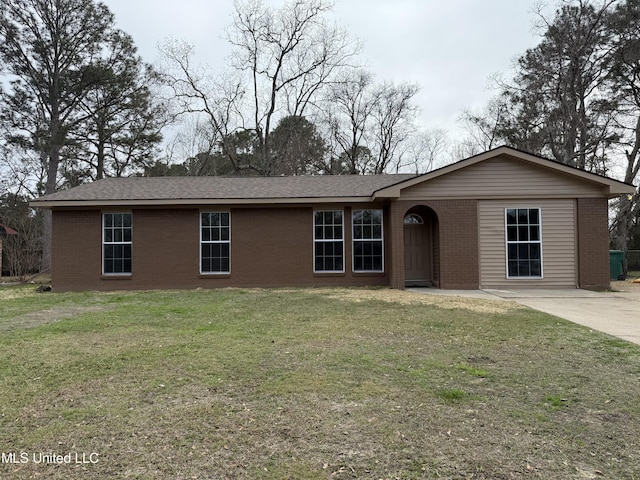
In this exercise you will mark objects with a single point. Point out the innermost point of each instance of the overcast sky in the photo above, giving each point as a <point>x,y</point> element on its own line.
<point>450,48</point>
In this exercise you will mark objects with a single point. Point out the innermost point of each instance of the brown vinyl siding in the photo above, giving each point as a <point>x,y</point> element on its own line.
<point>558,243</point>
<point>500,178</point>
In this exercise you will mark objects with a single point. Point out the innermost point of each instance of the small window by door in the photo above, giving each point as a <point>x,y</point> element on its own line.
<point>413,219</point>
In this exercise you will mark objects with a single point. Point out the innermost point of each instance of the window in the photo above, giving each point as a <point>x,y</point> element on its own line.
<point>413,219</point>
<point>328,240</point>
<point>524,242</point>
<point>367,241</point>
<point>215,242</point>
<point>116,243</point>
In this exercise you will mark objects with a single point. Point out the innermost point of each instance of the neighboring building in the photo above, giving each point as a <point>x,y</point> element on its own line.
<point>502,219</point>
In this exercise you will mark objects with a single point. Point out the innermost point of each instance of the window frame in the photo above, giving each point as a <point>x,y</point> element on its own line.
<point>129,243</point>
<point>523,242</point>
<point>202,242</point>
<point>355,240</point>
<point>325,240</point>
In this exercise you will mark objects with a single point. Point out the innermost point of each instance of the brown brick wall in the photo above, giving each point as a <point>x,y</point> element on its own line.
<point>456,250</point>
<point>269,247</point>
<point>76,250</point>
<point>593,243</point>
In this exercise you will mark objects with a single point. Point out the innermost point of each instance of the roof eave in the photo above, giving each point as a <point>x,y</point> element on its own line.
<point>49,204</point>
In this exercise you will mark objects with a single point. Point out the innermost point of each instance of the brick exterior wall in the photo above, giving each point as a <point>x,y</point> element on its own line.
<point>269,247</point>
<point>274,247</point>
<point>593,244</point>
<point>455,245</point>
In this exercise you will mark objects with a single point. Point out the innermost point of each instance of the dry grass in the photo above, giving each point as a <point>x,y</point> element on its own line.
<point>409,298</point>
<point>313,384</point>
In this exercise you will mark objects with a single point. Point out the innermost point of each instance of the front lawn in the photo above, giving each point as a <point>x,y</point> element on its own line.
<point>306,384</point>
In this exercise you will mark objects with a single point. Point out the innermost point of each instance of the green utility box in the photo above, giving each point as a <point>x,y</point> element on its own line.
<point>616,264</point>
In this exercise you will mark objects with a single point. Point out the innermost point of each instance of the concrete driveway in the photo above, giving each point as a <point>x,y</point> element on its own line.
<point>616,313</point>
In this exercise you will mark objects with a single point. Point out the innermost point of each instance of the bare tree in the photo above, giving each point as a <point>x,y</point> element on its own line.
<point>368,122</point>
<point>424,152</point>
<point>282,60</point>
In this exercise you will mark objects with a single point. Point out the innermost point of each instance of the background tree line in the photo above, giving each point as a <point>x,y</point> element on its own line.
<point>77,103</point>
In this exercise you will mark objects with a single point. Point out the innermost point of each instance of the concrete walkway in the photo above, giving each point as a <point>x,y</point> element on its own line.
<point>616,313</point>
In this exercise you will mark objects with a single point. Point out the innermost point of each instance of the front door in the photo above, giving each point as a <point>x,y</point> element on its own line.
<point>418,254</point>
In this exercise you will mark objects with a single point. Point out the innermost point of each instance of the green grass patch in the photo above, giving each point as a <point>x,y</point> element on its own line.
<point>310,383</point>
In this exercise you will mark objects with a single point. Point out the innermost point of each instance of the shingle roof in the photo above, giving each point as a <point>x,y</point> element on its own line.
<point>182,189</point>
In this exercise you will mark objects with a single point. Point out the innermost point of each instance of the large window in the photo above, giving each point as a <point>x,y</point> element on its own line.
<point>524,242</point>
<point>116,243</point>
<point>367,241</point>
<point>215,242</point>
<point>328,241</point>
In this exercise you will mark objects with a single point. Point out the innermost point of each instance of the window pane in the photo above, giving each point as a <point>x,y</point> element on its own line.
<point>523,268</point>
<point>224,234</point>
<point>534,251</point>
<point>108,235</point>
<point>534,217</point>
<point>224,219</point>
<point>511,216</point>
<point>126,220</point>
<point>523,216</point>
<point>108,220</point>
<point>367,232</point>
<point>205,220</point>
<point>357,232</point>
<point>126,235</point>
<point>523,233</point>
<point>512,234</point>
<point>377,231</point>
<point>337,232</point>
<point>328,232</point>
<point>513,268</point>
<point>536,268</point>
<point>337,217</point>
<point>534,233</point>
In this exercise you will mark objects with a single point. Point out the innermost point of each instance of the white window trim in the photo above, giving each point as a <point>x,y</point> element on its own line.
<point>103,243</point>
<point>228,272</point>
<point>507,242</point>
<point>322,240</point>
<point>354,240</point>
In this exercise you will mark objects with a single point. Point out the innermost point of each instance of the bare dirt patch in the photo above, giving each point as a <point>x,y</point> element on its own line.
<point>49,315</point>
<point>389,295</point>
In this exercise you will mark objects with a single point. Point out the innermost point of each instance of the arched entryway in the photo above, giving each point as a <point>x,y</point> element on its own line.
<point>421,248</point>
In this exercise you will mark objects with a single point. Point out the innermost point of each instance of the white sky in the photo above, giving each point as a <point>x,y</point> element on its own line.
<point>450,48</point>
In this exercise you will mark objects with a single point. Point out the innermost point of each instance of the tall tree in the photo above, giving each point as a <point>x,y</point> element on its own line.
<point>49,49</point>
<point>122,120</point>
<point>296,147</point>
<point>556,105</point>
<point>624,88</point>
